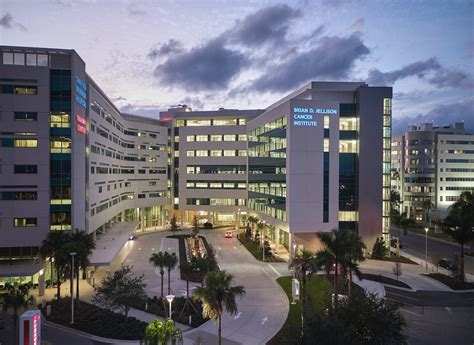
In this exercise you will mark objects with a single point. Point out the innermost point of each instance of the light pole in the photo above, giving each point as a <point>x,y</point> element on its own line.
<point>426,248</point>
<point>72,287</point>
<point>263,241</point>
<point>170,299</point>
<point>238,220</point>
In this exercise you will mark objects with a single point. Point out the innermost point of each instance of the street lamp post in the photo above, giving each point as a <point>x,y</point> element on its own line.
<point>426,248</point>
<point>238,220</point>
<point>170,299</point>
<point>263,241</point>
<point>72,286</point>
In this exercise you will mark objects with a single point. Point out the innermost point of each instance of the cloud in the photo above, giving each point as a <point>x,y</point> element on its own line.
<point>419,69</point>
<point>210,66</point>
<point>6,21</point>
<point>143,110</point>
<point>194,102</point>
<point>267,25</point>
<point>135,11</point>
<point>357,24</point>
<point>334,58</point>
<point>171,47</point>
<point>452,78</point>
<point>441,115</point>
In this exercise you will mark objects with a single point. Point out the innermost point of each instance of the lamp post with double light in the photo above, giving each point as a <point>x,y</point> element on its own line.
<point>426,248</point>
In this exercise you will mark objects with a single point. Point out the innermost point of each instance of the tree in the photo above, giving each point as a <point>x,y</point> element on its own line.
<point>427,206</point>
<point>15,298</point>
<point>343,249</point>
<point>397,269</point>
<point>163,333</point>
<point>120,291</point>
<point>459,224</point>
<point>52,248</point>
<point>82,244</point>
<point>253,220</point>
<point>304,264</point>
<point>159,260</point>
<point>195,228</point>
<point>380,248</point>
<point>203,265</point>
<point>187,269</point>
<point>218,296</point>
<point>174,225</point>
<point>401,221</point>
<point>171,260</point>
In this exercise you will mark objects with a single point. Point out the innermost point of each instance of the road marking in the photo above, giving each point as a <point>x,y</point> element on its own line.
<point>392,293</point>
<point>274,270</point>
<point>235,247</point>
<point>238,315</point>
<point>411,312</point>
<point>140,248</point>
<point>152,249</point>
<point>220,248</point>
<point>264,320</point>
<point>449,310</point>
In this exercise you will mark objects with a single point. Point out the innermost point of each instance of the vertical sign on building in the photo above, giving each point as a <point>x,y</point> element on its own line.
<point>30,328</point>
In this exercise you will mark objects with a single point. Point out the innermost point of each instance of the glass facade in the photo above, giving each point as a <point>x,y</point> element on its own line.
<point>387,135</point>
<point>60,149</point>
<point>267,169</point>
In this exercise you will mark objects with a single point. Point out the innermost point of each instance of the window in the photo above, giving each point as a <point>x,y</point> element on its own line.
<point>216,153</point>
<point>216,137</point>
<point>26,90</point>
<point>229,137</point>
<point>225,122</point>
<point>19,59</point>
<point>201,137</point>
<point>242,153</point>
<point>152,183</point>
<point>190,153</point>
<point>242,121</point>
<point>201,153</point>
<point>31,59</point>
<point>25,169</point>
<point>8,58</point>
<point>242,137</point>
<point>25,116</point>
<point>190,138</point>
<point>198,122</point>
<point>229,153</point>
<point>25,222</point>
<point>26,143</point>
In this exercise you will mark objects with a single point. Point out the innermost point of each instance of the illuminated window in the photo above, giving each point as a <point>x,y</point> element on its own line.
<point>348,216</point>
<point>225,122</point>
<point>180,123</point>
<point>348,146</point>
<point>229,137</point>
<point>242,137</point>
<point>60,120</point>
<point>190,138</point>
<point>348,124</point>
<point>201,153</point>
<point>59,146</point>
<point>216,153</point>
<point>201,137</point>
<point>25,222</point>
<point>198,122</point>
<point>26,90</point>
<point>229,153</point>
<point>26,143</point>
<point>190,153</point>
<point>216,137</point>
<point>326,122</point>
<point>242,153</point>
<point>326,145</point>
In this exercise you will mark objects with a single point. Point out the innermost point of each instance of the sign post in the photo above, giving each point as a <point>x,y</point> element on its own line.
<point>30,328</point>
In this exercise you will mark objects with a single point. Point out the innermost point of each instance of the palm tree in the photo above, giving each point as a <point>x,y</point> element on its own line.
<point>459,224</point>
<point>218,296</point>
<point>304,264</point>
<point>354,255</point>
<point>401,221</point>
<point>52,249</point>
<point>174,224</point>
<point>342,249</point>
<point>159,260</point>
<point>427,206</point>
<point>84,244</point>
<point>15,298</point>
<point>253,220</point>
<point>163,333</point>
<point>202,265</point>
<point>171,260</point>
<point>187,269</point>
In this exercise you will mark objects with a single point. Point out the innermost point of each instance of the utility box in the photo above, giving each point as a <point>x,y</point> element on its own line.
<point>30,328</point>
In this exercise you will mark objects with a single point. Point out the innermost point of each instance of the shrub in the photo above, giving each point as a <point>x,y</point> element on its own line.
<point>380,249</point>
<point>208,225</point>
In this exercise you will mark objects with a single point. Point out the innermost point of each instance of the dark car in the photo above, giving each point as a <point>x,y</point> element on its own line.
<point>446,263</point>
<point>393,243</point>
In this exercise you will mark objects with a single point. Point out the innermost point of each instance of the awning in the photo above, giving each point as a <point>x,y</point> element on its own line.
<point>109,244</point>
<point>20,268</point>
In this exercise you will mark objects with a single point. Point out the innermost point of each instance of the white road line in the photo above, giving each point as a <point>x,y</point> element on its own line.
<point>392,293</point>
<point>449,310</point>
<point>264,320</point>
<point>411,312</point>
<point>274,270</point>
<point>238,315</point>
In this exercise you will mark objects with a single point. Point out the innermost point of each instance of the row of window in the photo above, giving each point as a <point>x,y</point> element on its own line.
<point>18,195</point>
<point>25,222</point>
<point>126,196</point>
<point>25,169</point>
<point>19,89</point>
<point>460,188</point>
<point>458,161</point>
<point>217,137</point>
<point>104,170</point>
<point>271,188</point>
<point>459,179</point>
<point>11,142</point>
<point>458,170</point>
<point>215,169</point>
<point>216,153</point>
<point>459,152</point>
<point>215,202</point>
<point>22,59</point>
<point>108,153</point>
<point>215,185</point>
<point>25,116</point>
<point>210,122</point>
<point>117,141</point>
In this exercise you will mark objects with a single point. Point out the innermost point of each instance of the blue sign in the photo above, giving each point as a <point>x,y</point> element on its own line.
<point>303,117</point>
<point>81,88</point>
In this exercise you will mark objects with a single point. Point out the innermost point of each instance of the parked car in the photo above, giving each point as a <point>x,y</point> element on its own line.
<point>447,264</point>
<point>393,243</point>
<point>229,234</point>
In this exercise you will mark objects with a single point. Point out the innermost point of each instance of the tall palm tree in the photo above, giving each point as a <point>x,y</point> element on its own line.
<point>304,264</point>
<point>353,256</point>
<point>52,248</point>
<point>218,296</point>
<point>187,269</point>
<point>253,220</point>
<point>15,298</point>
<point>427,206</point>
<point>84,244</point>
<point>202,265</point>
<point>163,333</point>
<point>459,224</point>
<point>171,260</point>
<point>159,260</point>
<point>339,251</point>
<point>401,221</point>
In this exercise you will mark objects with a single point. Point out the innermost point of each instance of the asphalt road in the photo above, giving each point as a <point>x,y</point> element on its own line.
<point>414,244</point>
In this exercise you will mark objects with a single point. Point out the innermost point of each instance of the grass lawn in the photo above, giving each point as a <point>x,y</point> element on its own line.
<point>451,282</point>
<point>319,291</point>
<point>431,233</point>
<point>256,250</point>
<point>393,258</point>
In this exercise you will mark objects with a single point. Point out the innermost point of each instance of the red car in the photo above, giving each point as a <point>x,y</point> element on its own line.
<point>228,234</point>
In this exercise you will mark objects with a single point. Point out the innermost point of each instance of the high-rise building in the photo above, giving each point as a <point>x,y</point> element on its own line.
<point>431,167</point>
<point>316,160</point>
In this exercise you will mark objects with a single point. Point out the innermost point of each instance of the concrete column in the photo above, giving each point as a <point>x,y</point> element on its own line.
<point>163,216</point>
<point>41,284</point>
<point>123,216</point>
<point>182,217</point>
<point>102,228</point>
<point>94,235</point>
<point>277,238</point>
<point>142,219</point>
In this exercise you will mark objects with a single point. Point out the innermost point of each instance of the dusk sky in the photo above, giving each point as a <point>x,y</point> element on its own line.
<point>150,55</point>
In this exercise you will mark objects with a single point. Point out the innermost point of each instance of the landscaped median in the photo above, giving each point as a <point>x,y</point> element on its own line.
<point>451,282</point>
<point>256,250</point>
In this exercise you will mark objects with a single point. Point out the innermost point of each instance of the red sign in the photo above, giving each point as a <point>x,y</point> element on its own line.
<point>81,129</point>
<point>81,120</point>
